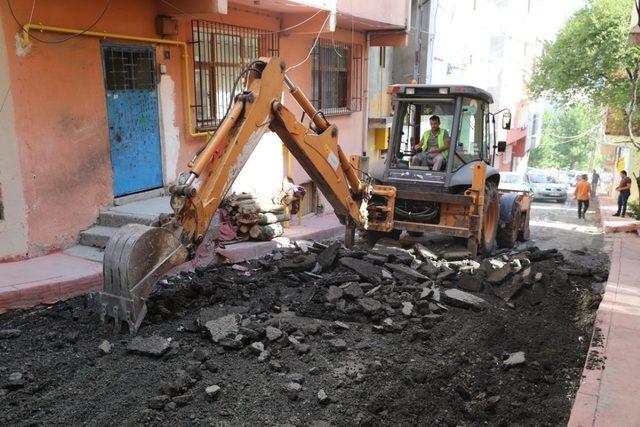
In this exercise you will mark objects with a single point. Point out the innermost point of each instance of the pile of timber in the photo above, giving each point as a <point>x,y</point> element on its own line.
<point>254,218</point>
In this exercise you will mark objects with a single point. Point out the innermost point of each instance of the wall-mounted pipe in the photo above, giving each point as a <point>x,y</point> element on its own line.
<point>113,36</point>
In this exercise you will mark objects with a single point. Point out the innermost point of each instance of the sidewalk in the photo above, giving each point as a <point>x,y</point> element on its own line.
<point>59,276</point>
<point>608,393</point>
<point>46,279</point>
<point>614,224</point>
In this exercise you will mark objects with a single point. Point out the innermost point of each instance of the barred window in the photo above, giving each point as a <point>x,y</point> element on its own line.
<point>337,77</point>
<point>220,53</point>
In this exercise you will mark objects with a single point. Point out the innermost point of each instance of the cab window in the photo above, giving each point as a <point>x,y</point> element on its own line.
<point>472,138</point>
<point>414,121</point>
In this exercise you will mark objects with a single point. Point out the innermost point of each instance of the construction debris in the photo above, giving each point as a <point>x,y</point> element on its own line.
<point>318,323</point>
<point>154,346</point>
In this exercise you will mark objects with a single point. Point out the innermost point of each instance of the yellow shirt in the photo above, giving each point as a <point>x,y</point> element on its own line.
<point>583,190</point>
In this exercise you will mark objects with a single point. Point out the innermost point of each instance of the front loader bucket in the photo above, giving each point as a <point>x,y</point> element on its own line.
<point>135,258</point>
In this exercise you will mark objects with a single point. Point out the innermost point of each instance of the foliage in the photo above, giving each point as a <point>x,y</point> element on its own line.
<point>633,209</point>
<point>568,139</point>
<point>590,57</point>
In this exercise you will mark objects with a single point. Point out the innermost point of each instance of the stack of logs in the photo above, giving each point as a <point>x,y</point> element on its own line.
<point>254,218</point>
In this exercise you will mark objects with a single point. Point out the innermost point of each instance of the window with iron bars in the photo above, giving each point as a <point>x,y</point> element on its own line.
<point>220,53</point>
<point>337,77</point>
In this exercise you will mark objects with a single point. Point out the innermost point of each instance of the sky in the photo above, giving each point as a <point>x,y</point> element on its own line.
<point>556,11</point>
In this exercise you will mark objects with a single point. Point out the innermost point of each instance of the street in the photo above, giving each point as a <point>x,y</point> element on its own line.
<point>366,340</point>
<point>556,225</point>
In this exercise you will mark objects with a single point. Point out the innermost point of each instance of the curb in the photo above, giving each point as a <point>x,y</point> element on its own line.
<point>43,280</point>
<point>57,277</point>
<point>588,396</point>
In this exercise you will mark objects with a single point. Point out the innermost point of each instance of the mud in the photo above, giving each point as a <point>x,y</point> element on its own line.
<point>434,364</point>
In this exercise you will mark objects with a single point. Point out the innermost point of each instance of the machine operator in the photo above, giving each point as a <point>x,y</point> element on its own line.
<point>434,146</point>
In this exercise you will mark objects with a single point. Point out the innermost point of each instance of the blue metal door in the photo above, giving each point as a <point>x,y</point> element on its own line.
<point>132,107</point>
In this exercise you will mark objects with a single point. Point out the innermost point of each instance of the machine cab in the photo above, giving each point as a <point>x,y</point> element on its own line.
<point>463,115</point>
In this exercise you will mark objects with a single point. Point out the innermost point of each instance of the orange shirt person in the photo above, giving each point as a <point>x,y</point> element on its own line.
<point>583,194</point>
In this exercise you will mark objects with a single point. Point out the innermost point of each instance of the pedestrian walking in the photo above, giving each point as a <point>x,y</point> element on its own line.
<point>595,179</point>
<point>625,191</point>
<point>583,194</point>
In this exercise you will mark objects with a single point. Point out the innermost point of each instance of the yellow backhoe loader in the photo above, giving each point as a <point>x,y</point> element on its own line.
<point>398,197</point>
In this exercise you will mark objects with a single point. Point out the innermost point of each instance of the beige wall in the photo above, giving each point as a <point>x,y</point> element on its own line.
<point>13,227</point>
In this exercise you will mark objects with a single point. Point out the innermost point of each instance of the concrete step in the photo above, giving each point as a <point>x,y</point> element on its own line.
<point>117,219</point>
<point>97,236</point>
<point>87,252</point>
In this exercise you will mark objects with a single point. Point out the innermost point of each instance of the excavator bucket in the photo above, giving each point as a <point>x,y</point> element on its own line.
<point>135,258</point>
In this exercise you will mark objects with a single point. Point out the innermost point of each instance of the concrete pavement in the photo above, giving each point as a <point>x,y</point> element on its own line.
<point>46,279</point>
<point>614,224</point>
<point>610,387</point>
<point>60,276</point>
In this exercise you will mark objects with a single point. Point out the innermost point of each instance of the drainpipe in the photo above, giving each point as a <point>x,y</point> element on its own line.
<point>113,36</point>
<point>365,95</point>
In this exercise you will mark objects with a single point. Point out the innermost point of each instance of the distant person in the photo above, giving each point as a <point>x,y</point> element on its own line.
<point>625,191</point>
<point>595,179</point>
<point>434,145</point>
<point>583,194</point>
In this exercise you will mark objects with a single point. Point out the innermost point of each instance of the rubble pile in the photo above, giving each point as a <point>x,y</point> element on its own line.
<point>256,219</point>
<point>318,333</point>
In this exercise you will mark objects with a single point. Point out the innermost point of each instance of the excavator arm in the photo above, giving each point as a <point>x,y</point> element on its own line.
<point>137,256</point>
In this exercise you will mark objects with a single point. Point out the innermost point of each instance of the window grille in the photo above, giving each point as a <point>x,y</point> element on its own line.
<point>220,53</point>
<point>337,77</point>
<point>129,68</point>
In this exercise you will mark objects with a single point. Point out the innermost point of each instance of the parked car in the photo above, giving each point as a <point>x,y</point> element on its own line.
<point>546,187</point>
<point>513,181</point>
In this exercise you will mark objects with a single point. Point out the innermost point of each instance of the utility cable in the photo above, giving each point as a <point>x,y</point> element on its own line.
<point>315,42</point>
<point>168,3</point>
<point>4,99</point>
<point>62,40</point>
<point>574,136</point>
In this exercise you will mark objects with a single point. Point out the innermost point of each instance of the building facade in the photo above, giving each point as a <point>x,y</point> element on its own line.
<point>103,100</point>
<point>491,44</point>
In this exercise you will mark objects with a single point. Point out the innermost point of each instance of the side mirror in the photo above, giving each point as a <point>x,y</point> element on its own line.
<point>506,120</point>
<point>502,146</point>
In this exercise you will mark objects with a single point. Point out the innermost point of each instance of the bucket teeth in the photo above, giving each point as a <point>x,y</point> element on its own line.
<point>131,254</point>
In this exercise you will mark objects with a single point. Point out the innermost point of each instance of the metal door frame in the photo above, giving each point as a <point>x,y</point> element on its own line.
<point>141,47</point>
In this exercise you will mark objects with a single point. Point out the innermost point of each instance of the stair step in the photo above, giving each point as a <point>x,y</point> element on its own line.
<point>97,236</point>
<point>87,252</point>
<point>118,219</point>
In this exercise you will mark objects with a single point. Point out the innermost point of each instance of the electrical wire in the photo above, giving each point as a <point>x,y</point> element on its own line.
<point>315,42</point>
<point>64,39</point>
<point>168,3</point>
<point>298,24</point>
<point>4,99</point>
<point>231,99</point>
<point>574,136</point>
<point>33,7</point>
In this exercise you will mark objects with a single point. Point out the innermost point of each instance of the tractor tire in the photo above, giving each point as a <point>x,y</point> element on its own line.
<point>491,220</point>
<point>523,232</point>
<point>373,236</point>
<point>508,235</point>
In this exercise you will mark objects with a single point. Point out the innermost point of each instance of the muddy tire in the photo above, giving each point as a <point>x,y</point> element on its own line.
<point>491,220</point>
<point>373,236</point>
<point>508,235</point>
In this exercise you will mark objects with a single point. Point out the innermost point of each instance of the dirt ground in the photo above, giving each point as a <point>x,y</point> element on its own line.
<point>404,354</point>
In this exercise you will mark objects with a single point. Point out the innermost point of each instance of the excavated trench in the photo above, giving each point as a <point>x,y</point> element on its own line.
<point>318,335</point>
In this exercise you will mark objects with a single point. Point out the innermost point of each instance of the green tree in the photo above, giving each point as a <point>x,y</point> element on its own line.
<point>592,60</point>
<point>569,136</point>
